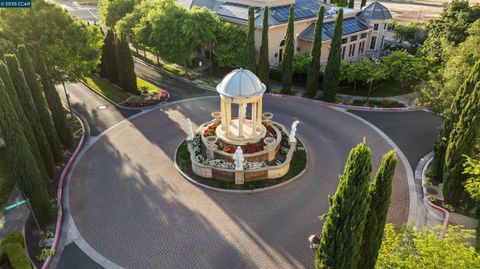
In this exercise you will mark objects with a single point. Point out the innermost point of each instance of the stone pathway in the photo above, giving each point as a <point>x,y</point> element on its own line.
<point>14,219</point>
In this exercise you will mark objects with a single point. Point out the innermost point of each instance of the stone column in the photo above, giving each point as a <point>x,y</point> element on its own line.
<point>228,116</point>
<point>241,115</point>
<point>224,114</point>
<point>254,117</point>
<point>259,111</point>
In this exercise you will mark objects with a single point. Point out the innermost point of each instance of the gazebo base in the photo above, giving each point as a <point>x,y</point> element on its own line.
<point>233,137</point>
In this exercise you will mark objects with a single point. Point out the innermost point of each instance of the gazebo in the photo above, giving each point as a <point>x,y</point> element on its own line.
<point>241,87</point>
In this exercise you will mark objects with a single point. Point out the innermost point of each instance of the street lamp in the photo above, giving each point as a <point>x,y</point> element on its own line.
<point>314,241</point>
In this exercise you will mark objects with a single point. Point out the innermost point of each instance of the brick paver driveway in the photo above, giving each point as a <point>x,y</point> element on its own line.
<point>131,205</point>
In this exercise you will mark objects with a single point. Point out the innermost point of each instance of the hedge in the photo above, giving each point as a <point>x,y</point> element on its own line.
<point>12,248</point>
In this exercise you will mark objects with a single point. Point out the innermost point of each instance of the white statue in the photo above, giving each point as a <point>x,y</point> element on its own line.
<point>293,131</point>
<point>190,130</point>
<point>238,158</point>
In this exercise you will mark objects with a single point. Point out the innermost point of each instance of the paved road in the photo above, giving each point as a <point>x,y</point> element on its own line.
<point>99,113</point>
<point>413,132</point>
<point>130,204</point>
<point>86,13</point>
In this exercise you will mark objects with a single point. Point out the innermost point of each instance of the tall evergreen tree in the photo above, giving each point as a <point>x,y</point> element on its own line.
<point>380,195</point>
<point>351,4</point>
<point>109,60</point>
<point>314,66</point>
<point>343,230</point>
<point>21,161</point>
<point>287,68</point>
<point>250,62</point>
<point>462,141</point>
<point>451,119</point>
<point>22,118</point>
<point>264,65</point>
<point>332,70</point>
<point>363,3</point>
<point>54,102</point>
<point>125,65</point>
<point>31,77</point>
<point>28,106</point>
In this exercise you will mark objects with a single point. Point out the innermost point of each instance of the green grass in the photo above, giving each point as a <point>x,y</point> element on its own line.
<point>88,2</point>
<point>114,93</point>
<point>386,89</point>
<point>172,69</point>
<point>6,185</point>
<point>106,88</point>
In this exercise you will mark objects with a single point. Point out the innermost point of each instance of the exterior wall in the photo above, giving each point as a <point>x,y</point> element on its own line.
<point>262,3</point>
<point>379,36</point>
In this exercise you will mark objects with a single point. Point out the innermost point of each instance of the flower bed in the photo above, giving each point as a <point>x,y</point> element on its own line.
<point>140,101</point>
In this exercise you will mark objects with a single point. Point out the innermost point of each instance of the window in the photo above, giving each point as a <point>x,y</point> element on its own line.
<point>363,36</point>
<point>353,38</point>
<point>375,27</point>
<point>385,26</point>
<point>343,52</point>
<point>361,48</point>
<point>351,51</point>
<point>381,43</point>
<point>372,43</point>
<point>344,41</point>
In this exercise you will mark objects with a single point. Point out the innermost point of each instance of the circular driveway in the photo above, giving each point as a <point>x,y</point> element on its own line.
<point>130,204</point>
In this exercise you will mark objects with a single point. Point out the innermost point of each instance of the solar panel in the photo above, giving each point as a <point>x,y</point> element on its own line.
<point>302,9</point>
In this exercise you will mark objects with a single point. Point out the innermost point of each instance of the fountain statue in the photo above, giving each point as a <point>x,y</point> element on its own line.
<point>190,130</point>
<point>238,158</point>
<point>293,131</point>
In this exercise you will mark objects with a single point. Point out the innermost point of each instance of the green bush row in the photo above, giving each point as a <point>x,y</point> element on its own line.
<point>13,248</point>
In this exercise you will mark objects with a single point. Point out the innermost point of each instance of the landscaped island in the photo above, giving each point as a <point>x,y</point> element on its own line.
<point>245,148</point>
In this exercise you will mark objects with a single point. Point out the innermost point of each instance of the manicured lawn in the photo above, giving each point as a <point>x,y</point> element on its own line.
<point>111,91</point>
<point>389,88</point>
<point>88,2</point>
<point>5,184</point>
<point>172,69</point>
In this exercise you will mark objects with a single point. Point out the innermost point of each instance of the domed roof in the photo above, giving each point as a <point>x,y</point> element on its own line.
<point>375,11</point>
<point>241,83</point>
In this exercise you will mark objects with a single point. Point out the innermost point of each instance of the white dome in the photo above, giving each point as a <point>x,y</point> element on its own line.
<point>241,83</point>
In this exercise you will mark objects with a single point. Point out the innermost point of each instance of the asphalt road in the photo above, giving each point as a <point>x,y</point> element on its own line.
<point>414,132</point>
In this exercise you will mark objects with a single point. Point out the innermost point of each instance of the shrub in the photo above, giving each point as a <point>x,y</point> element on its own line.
<point>46,252</point>
<point>276,74</point>
<point>13,237</point>
<point>174,70</point>
<point>252,148</point>
<point>16,255</point>
<point>229,149</point>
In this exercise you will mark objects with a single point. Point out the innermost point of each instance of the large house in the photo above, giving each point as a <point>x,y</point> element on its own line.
<point>363,29</point>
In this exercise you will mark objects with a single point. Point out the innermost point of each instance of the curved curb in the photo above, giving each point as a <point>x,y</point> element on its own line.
<point>276,186</point>
<point>412,193</point>
<point>122,106</point>
<point>427,203</point>
<point>66,169</point>
<point>374,109</point>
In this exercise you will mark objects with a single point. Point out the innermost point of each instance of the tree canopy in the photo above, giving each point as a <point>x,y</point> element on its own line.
<point>111,11</point>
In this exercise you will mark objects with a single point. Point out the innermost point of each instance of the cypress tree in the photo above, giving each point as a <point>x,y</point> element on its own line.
<point>26,64</point>
<point>451,119</point>
<point>22,118</point>
<point>126,67</point>
<point>351,4</point>
<point>363,3</point>
<point>54,102</point>
<point>250,62</point>
<point>332,70</point>
<point>343,230</point>
<point>288,59</point>
<point>314,66</point>
<point>109,60</point>
<point>264,65</point>
<point>461,142</point>
<point>380,195</point>
<point>26,100</point>
<point>21,161</point>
